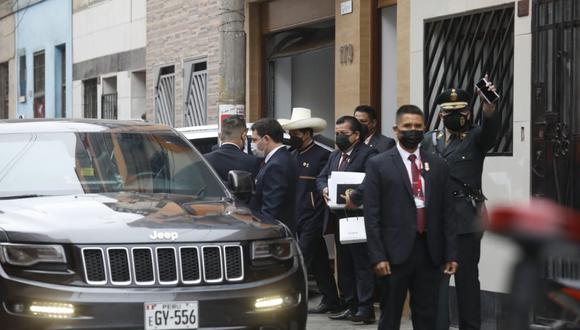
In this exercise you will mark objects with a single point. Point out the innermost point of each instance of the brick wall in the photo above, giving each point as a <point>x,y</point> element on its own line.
<point>178,30</point>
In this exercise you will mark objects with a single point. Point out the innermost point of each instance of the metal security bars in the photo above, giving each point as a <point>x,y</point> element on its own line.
<point>165,97</point>
<point>556,101</point>
<point>196,97</point>
<point>109,106</point>
<point>459,50</point>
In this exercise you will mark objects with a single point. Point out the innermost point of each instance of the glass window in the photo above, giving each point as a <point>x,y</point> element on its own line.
<point>39,106</point>
<point>103,162</point>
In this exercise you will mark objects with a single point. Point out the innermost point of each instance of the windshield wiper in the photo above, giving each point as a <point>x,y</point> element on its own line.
<point>21,196</point>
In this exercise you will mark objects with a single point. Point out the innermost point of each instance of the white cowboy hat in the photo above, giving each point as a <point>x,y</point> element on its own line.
<point>301,118</point>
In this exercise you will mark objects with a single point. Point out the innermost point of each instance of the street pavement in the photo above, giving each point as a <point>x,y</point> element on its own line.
<point>322,322</point>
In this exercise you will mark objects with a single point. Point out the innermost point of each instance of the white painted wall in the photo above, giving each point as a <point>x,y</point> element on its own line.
<point>283,87</point>
<point>109,27</point>
<point>388,69</point>
<point>77,99</point>
<point>313,85</point>
<point>138,91</point>
<point>505,179</point>
<point>106,28</point>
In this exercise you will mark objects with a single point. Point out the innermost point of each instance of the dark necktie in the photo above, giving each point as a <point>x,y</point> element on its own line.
<point>418,193</point>
<point>343,162</point>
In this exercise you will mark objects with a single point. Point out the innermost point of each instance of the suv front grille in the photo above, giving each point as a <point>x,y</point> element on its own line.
<point>166,265</point>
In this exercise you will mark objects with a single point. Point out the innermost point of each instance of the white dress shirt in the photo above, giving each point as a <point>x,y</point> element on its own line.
<point>405,156</point>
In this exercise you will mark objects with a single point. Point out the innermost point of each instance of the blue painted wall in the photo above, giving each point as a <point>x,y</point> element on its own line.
<point>45,26</point>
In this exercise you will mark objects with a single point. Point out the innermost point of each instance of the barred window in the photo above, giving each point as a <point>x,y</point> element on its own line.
<point>165,96</point>
<point>195,92</point>
<point>459,50</point>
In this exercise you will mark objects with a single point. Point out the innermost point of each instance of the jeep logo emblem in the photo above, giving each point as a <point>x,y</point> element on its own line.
<point>167,235</point>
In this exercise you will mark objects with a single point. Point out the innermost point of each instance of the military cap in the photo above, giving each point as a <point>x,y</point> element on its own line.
<point>453,98</point>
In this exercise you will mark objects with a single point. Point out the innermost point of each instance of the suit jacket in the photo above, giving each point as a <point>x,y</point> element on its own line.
<point>359,156</point>
<point>465,157</point>
<point>275,195</point>
<point>391,215</point>
<point>309,201</point>
<point>229,157</point>
<point>381,142</point>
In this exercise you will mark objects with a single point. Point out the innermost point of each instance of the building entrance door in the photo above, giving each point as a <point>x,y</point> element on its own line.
<point>556,122</point>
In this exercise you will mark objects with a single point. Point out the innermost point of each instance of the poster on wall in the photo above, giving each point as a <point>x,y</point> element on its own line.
<point>228,110</point>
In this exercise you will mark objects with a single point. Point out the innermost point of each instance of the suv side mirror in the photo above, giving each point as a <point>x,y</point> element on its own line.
<point>241,184</point>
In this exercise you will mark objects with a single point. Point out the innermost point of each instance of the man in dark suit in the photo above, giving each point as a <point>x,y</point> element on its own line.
<point>464,147</point>
<point>311,159</point>
<point>230,155</point>
<point>355,276</point>
<point>367,116</point>
<point>275,195</point>
<point>410,224</point>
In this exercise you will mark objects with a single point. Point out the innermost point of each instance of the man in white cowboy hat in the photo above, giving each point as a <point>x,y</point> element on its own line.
<point>310,159</point>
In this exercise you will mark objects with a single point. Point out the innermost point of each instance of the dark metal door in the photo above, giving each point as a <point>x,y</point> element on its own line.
<point>556,101</point>
<point>556,124</point>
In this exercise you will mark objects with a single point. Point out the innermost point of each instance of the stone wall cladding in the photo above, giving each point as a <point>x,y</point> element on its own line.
<point>179,30</point>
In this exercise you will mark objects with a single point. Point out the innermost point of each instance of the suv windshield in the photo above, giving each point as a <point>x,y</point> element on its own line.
<point>77,163</point>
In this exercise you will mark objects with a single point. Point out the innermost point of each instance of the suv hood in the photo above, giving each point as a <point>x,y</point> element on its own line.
<point>128,218</point>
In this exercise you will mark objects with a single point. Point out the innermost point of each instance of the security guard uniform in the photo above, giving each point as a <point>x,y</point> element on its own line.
<point>465,153</point>
<point>310,209</point>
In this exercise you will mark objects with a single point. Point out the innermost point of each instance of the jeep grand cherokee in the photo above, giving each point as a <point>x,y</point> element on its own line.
<point>123,225</point>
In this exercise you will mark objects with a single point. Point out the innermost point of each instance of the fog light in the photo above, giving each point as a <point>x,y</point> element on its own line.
<point>275,302</point>
<point>53,310</point>
<point>269,302</point>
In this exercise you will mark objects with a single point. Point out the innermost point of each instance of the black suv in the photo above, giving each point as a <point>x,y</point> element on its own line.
<point>123,225</point>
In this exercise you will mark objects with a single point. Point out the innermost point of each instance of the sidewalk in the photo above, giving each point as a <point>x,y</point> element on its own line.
<point>322,322</point>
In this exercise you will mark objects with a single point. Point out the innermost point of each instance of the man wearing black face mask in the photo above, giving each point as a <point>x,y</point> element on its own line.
<point>355,277</point>
<point>310,159</point>
<point>464,147</point>
<point>367,116</point>
<point>410,224</point>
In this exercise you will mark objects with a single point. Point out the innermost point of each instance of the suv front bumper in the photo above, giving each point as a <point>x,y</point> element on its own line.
<point>228,306</point>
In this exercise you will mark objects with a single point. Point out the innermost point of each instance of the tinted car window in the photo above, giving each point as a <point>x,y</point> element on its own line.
<point>76,163</point>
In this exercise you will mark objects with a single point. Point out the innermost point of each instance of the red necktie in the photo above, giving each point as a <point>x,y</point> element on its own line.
<point>343,162</point>
<point>418,193</point>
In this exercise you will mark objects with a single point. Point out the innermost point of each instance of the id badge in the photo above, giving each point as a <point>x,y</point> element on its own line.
<point>419,203</point>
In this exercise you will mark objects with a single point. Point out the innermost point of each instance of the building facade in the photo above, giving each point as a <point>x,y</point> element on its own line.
<point>44,59</point>
<point>182,62</point>
<point>109,40</point>
<point>327,55</point>
<point>7,60</point>
<point>530,50</point>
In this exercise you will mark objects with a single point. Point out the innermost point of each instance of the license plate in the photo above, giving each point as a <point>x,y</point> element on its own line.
<point>171,315</point>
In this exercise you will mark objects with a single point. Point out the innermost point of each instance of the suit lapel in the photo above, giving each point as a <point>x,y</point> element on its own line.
<point>402,170</point>
<point>352,156</point>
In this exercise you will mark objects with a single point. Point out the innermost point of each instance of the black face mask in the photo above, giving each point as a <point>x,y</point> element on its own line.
<point>342,142</point>
<point>410,139</point>
<point>295,142</point>
<point>456,121</point>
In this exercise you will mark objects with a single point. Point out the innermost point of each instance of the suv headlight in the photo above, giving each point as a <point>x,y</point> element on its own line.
<point>31,254</point>
<point>280,249</point>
